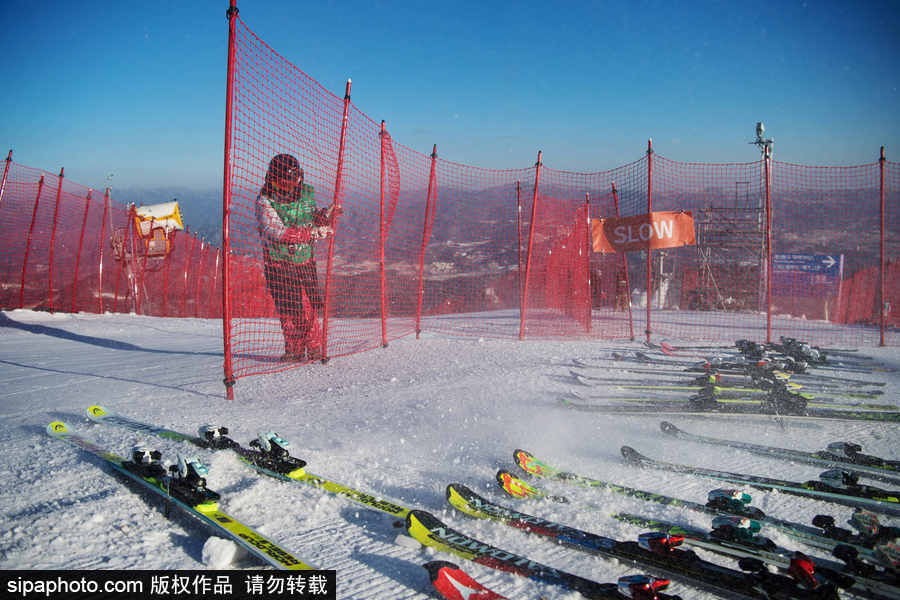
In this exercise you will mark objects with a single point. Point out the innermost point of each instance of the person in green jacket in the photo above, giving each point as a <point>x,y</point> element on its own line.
<point>289,224</point>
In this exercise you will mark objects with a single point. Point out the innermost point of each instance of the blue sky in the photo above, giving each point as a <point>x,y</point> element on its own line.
<point>132,94</point>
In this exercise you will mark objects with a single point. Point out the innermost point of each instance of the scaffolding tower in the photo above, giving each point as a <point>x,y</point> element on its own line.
<point>730,252</point>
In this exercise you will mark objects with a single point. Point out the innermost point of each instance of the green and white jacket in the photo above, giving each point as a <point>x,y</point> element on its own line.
<point>277,212</point>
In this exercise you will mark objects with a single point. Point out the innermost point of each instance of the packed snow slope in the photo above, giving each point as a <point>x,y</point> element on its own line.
<point>401,423</point>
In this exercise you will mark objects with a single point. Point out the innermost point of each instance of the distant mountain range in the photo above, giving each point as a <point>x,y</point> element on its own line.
<point>806,221</point>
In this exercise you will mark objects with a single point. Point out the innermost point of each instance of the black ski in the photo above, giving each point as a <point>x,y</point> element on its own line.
<point>838,454</point>
<point>738,538</point>
<point>431,532</point>
<point>837,486</point>
<point>654,552</point>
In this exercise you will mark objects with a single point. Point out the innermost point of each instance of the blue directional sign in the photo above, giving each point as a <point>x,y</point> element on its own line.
<point>805,274</point>
<point>825,264</point>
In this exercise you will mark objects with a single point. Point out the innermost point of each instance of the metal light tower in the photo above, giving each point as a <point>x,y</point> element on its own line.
<point>761,142</point>
<point>765,146</point>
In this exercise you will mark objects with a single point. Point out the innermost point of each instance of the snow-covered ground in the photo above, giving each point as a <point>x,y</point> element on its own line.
<point>400,422</point>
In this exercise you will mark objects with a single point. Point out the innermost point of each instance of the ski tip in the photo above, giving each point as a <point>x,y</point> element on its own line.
<point>421,519</point>
<point>452,583</point>
<point>515,487</point>
<point>668,428</point>
<point>457,489</point>
<point>96,412</point>
<point>520,455</point>
<point>434,568</point>
<point>632,456</point>
<point>56,428</point>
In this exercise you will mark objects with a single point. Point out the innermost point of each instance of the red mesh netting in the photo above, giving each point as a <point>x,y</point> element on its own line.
<point>418,243</point>
<point>69,248</point>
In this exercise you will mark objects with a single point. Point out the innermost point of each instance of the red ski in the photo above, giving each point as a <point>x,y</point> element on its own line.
<point>453,583</point>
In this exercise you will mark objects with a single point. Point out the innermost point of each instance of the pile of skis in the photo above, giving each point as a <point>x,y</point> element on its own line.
<point>865,562</point>
<point>183,485</point>
<point>867,559</point>
<point>765,379</point>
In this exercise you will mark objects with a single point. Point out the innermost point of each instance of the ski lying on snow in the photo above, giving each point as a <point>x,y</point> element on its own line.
<point>737,538</point>
<point>850,494</point>
<point>841,454</point>
<point>826,535</point>
<point>653,551</point>
<point>727,408</point>
<point>195,500</point>
<point>279,466</point>
<point>431,532</point>
<point>733,388</point>
<point>741,376</point>
<point>724,395</point>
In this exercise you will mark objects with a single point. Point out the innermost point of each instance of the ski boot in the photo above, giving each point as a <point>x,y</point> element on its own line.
<point>641,587</point>
<point>888,555</point>
<point>830,529</point>
<point>865,523</point>
<point>840,479</point>
<point>869,531</point>
<point>704,400</point>
<point>799,583</point>
<point>216,437</point>
<point>751,350</point>
<point>271,452</point>
<point>187,482</point>
<point>785,402</point>
<point>733,501</point>
<point>740,530</point>
<point>844,449</point>
<point>658,542</point>
<point>145,462</point>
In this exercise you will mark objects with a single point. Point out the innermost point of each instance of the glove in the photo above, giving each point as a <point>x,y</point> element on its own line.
<point>320,233</point>
<point>296,235</point>
<point>324,216</point>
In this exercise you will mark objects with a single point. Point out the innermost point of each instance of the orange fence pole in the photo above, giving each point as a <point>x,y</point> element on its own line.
<point>101,246</point>
<point>649,252</point>
<point>770,244</point>
<point>519,231</point>
<point>524,302</point>
<point>87,206</point>
<point>338,188</point>
<point>426,234</point>
<point>53,240</point>
<point>226,207</point>
<point>587,253</point>
<point>381,241</point>
<point>882,308</point>
<point>199,278</point>
<point>5,174</point>
<point>615,194</point>
<point>28,241</point>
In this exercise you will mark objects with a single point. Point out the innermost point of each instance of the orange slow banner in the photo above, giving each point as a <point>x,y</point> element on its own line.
<point>639,232</point>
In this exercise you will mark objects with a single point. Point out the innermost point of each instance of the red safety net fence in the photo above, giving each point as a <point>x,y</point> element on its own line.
<point>420,243</point>
<point>68,248</point>
<point>427,244</point>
